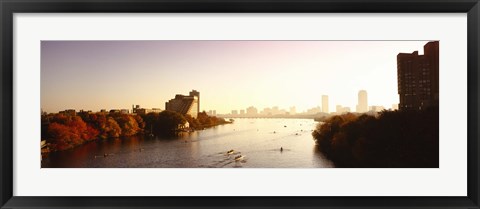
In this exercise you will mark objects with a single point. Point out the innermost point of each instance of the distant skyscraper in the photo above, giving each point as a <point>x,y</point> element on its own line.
<point>252,110</point>
<point>362,105</point>
<point>275,110</point>
<point>266,111</point>
<point>212,113</point>
<point>293,110</point>
<point>340,109</point>
<point>325,103</point>
<point>313,111</point>
<point>377,108</point>
<point>418,78</point>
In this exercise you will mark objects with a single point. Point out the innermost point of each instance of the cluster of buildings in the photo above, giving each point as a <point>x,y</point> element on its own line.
<point>141,111</point>
<point>212,113</point>
<point>362,107</point>
<point>122,111</point>
<point>418,83</point>
<point>268,111</point>
<point>340,109</point>
<point>182,104</point>
<point>417,77</point>
<point>273,111</point>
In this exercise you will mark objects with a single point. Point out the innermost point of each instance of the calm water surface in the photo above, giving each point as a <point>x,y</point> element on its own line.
<point>259,140</point>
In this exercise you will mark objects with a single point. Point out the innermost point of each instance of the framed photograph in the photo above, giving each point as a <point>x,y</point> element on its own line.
<point>233,104</point>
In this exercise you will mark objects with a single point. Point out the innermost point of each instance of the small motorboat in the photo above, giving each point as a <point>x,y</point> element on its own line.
<point>239,157</point>
<point>230,152</point>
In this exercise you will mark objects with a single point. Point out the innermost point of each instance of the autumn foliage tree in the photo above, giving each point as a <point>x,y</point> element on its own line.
<point>112,129</point>
<point>203,120</point>
<point>400,139</point>
<point>140,122</point>
<point>127,123</point>
<point>64,131</point>
<point>69,131</point>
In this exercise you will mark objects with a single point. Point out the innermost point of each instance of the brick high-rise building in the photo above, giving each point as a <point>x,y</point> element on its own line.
<point>418,78</point>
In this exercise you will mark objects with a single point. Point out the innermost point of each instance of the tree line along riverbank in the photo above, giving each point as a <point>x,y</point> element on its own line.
<point>62,131</point>
<point>393,139</point>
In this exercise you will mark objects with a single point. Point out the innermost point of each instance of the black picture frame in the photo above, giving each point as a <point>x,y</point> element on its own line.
<point>9,7</point>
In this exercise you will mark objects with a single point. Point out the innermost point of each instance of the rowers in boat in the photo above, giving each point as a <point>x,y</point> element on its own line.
<point>230,152</point>
<point>239,157</point>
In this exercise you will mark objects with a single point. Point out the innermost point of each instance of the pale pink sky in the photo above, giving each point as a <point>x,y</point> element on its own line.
<point>230,75</point>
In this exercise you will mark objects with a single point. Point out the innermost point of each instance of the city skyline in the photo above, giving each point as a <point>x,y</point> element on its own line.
<point>94,75</point>
<point>251,110</point>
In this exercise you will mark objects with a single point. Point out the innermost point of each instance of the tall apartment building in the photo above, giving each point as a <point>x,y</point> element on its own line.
<point>417,77</point>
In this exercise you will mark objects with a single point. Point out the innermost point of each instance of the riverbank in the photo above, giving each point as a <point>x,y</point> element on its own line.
<point>62,131</point>
<point>393,139</point>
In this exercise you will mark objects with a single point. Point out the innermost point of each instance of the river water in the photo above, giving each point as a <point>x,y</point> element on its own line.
<point>258,140</point>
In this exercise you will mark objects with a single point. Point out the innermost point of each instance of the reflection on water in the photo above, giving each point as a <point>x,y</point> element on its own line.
<point>258,140</point>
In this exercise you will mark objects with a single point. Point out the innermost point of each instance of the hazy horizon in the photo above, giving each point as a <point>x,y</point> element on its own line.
<point>230,75</point>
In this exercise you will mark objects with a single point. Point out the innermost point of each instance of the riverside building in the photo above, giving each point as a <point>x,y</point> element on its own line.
<point>418,78</point>
<point>185,104</point>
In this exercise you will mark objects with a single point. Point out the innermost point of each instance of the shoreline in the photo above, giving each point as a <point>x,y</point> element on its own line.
<point>46,150</point>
